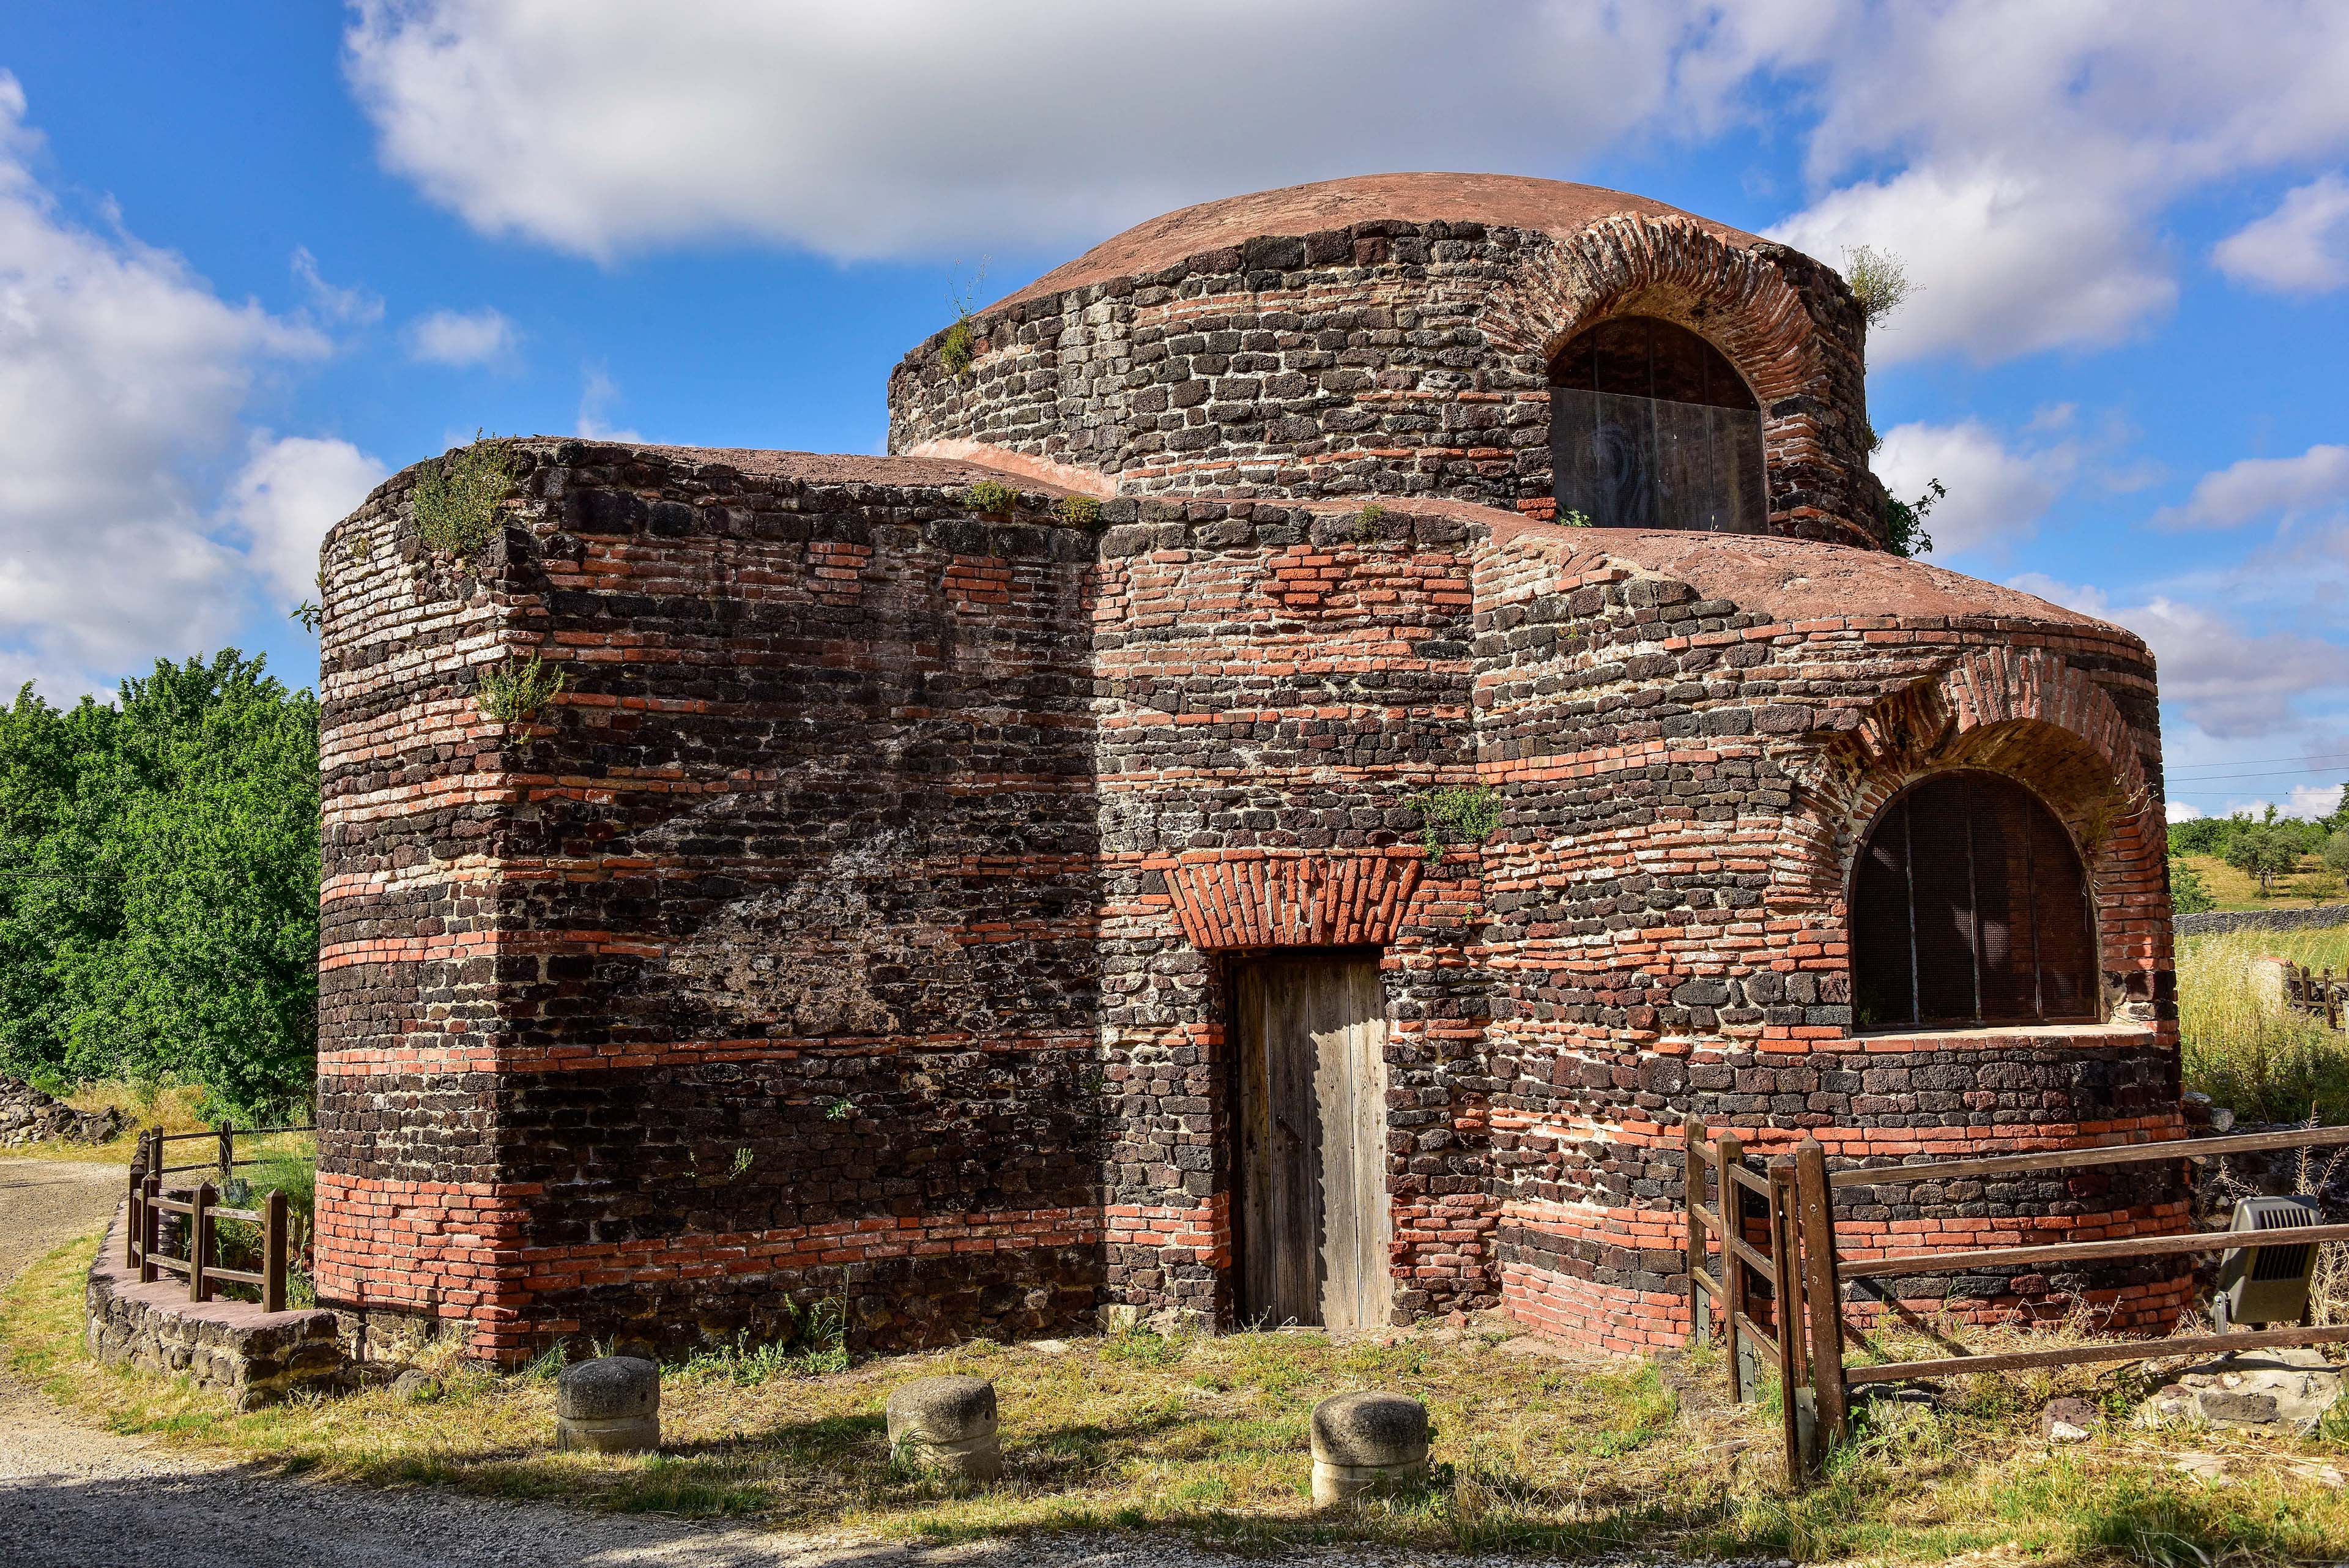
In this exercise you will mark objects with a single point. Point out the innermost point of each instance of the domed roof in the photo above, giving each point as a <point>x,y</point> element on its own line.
<point>1507,201</point>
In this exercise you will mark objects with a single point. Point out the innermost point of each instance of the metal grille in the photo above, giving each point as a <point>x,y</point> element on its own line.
<point>1970,907</point>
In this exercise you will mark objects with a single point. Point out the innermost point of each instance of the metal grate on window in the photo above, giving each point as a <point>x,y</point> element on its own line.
<point>1970,907</point>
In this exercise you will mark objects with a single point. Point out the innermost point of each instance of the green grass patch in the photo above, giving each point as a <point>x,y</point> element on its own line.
<point>1207,1436</point>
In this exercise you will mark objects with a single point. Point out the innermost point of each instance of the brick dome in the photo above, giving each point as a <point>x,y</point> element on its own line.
<point>1557,208</point>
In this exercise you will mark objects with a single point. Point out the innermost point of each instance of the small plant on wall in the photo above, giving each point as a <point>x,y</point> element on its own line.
<point>994,499</point>
<point>960,345</point>
<point>1463,814</point>
<point>515,693</point>
<point>1078,511</point>
<point>456,501</point>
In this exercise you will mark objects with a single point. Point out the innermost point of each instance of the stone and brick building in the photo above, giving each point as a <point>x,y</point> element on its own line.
<point>1227,819</point>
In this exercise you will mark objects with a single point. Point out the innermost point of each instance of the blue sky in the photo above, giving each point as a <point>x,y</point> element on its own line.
<point>252,256</point>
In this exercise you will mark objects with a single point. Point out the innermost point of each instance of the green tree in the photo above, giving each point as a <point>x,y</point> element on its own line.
<point>158,885</point>
<point>2266,850</point>
<point>2337,852</point>
<point>2188,895</point>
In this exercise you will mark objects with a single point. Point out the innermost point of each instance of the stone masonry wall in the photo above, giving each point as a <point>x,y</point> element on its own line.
<point>858,922</point>
<point>1397,359</point>
<point>1689,758</point>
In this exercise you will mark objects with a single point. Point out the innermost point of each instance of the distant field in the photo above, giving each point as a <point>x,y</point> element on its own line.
<point>2311,884</point>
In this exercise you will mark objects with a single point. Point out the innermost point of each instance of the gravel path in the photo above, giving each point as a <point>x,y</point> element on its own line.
<point>72,1497</point>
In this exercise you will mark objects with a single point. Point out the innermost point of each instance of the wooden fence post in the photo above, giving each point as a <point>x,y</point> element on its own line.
<point>1820,1286</point>
<point>132,1219</point>
<point>149,1224</point>
<point>1693,1195</point>
<point>1786,1286</point>
<point>1728,1154</point>
<point>227,1150</point>
<point>273,1254</point>
<point>199,1236</point>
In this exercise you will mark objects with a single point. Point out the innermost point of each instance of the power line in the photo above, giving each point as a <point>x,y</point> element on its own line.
<point>2322,764</point>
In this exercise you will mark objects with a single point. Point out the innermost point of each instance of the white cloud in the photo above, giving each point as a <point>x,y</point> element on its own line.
<point>121,373</point>
<point>2179,811</point>
<point>289,493</point>
<point>1996,492</point>
<point>2018,155</point>
<point>461,339</point>
<point>2229,683</point>
<point>597,393</point>
<point>2301,247</point>
<point>349,306</point>
<point>2317,479</point>
<point>1981,245</point>
<point>935,126</point>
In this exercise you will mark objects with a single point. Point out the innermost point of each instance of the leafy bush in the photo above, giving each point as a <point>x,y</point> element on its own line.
<point>158,886</point>
<point>2188,895</point>
<point>1078,511</point>
<point>1904,521</point>
<point>456,500</point>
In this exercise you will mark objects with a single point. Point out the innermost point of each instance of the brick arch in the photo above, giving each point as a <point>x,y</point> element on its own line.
<point>1668,267</point>
<point>1964,713</point>
<point>2029,715</point>
<point>1229,901</point>
<point>1738,298</point>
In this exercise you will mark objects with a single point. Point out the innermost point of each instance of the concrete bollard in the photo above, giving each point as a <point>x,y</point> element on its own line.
<point>949,1423</point>
<point>1366,1444</point>
<point>611,1405</point>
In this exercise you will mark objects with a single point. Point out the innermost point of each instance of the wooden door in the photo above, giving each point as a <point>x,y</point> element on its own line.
<point>1313,1224</point>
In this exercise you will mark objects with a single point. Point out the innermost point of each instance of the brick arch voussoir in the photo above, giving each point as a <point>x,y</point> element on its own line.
<point>1671,268</point>
<point>1944,719</point>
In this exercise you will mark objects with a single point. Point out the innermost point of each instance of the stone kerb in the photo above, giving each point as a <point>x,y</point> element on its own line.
<point>256,1356</point>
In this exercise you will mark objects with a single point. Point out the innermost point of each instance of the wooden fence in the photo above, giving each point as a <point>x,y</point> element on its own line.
<point>196,1253</point>
<point>2318,995</point>
<point>1807,1271</point>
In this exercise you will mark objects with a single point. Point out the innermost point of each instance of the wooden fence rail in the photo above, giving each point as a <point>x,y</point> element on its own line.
<point>1808,1270</point>
<point>200,1207</point>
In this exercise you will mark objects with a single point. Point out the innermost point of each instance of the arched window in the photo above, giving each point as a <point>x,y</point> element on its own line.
<point>1651,427</point>
<point>1970,907</point>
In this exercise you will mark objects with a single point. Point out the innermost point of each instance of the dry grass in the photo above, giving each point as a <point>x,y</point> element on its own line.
<point>1207,1437</point>
<point>2259,1059</point>
<point>2313,883</point>
<point>172,1107</point>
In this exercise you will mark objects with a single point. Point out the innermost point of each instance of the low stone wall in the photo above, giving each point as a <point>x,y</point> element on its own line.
<point>28,1116</point>
<point>259,1356</point>
<point>2216,923</point>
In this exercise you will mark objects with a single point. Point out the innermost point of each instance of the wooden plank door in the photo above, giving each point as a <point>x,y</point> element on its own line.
<point>1314,1224</point>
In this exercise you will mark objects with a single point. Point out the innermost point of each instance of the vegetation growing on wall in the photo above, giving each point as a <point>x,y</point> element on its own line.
<point>994,499</point>
<point>456,500</point>
<point>1078,511</point>
<point>158,886</point>
<point>1464,813</point>
<point>1904,521</point>
<point>516,693</point>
